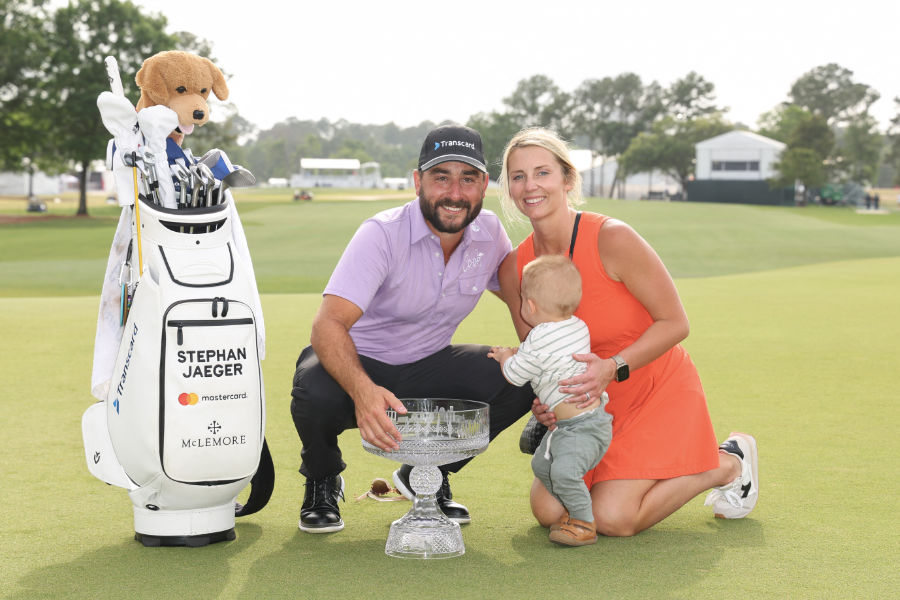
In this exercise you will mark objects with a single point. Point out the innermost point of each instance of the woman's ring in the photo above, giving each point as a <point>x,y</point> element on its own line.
<point>587,395</point>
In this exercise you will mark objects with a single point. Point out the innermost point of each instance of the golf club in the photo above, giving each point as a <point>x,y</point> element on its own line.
<point>208,179</point>
<point>238,178</point>
<point>152,179</point>
<point>137,164</point>
<point>210,158</point>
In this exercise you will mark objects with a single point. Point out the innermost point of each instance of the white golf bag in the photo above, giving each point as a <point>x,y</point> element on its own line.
<point>181,419</point>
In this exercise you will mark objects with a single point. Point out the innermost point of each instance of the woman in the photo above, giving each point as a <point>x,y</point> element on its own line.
<point>663,451</point>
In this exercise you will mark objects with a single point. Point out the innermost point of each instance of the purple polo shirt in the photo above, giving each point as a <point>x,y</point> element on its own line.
<point>393,269</point>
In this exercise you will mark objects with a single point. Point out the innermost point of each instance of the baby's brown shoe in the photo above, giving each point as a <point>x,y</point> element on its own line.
<point>574,532</point>
<point>562,520</point>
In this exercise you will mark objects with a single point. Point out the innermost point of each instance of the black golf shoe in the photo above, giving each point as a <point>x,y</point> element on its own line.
<point>320,512</point>
<point>452,510</point>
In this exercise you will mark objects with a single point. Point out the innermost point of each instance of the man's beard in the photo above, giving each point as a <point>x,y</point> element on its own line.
<point>430,212</point>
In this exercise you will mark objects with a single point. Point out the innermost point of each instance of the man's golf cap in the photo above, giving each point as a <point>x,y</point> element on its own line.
<point>452,143</point>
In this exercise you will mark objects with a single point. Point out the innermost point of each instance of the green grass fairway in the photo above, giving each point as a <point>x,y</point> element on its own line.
<point>295,245</point>
<point>794,316</point>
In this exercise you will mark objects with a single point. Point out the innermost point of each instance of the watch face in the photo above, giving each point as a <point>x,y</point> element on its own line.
<point>622,373</point>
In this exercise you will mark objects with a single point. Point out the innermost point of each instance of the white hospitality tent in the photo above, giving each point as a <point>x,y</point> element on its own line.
<point>596,180</point>
<point>738,156</point>
<point>337,172</point>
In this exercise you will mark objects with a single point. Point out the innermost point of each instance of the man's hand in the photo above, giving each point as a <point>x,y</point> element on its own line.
<point>371,417</point>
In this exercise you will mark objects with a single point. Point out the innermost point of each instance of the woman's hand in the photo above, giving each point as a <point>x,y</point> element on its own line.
<point>545,417</point>
<point>587,387</point>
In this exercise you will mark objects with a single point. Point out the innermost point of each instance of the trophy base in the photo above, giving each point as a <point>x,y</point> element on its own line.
<point>412,537</point>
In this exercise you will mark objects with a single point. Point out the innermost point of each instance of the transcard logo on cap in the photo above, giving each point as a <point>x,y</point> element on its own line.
<point>452,143</point>
<point>469,145</point>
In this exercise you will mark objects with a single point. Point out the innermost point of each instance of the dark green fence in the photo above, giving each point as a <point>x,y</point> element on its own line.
<point>739,192</point>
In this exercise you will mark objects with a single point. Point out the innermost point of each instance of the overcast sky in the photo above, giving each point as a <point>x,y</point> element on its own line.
<point>410,61</point>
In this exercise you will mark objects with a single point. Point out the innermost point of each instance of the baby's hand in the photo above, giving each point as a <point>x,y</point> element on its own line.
<point>501,353</point>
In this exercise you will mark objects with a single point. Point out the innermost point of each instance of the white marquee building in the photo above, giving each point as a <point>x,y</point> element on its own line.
<point>738,156</point>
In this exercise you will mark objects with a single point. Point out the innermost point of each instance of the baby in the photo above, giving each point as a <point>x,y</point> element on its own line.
<point>551,291</point>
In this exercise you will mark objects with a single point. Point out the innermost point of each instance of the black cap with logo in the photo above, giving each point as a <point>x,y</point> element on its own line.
<point>452,142</point>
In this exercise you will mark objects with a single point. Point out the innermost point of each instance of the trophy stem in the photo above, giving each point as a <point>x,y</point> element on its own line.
<point>425,532</point>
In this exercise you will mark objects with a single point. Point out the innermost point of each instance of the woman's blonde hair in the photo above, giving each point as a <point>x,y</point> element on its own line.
<point>550,141</point>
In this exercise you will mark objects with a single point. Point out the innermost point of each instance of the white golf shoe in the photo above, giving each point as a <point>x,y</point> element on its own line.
<point>735,500</point>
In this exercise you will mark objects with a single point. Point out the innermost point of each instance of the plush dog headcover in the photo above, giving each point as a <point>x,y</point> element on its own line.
<point>182,81</point>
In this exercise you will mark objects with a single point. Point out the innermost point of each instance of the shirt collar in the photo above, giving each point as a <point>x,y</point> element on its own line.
<point>419,229</point>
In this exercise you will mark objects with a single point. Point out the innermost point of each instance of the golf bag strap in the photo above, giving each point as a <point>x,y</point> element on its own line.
<point>261,485</point>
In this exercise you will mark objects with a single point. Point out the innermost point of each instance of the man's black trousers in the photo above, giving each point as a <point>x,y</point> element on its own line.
<point>322,409</point>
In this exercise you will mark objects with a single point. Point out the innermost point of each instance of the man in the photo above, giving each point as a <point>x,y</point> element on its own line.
<point>404,283</point>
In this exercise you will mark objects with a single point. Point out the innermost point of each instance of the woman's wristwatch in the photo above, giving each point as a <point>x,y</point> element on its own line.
<point>621,368</point>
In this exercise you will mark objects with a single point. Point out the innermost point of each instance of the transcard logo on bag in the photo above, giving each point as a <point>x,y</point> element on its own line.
<point>120,389</point>
<point>213,363</point>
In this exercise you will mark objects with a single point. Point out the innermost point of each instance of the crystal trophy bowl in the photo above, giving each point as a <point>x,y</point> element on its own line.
<point>434,431</point>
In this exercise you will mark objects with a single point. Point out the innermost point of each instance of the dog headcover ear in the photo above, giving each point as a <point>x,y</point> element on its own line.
<point>150,81</point>
<point>219,87</point>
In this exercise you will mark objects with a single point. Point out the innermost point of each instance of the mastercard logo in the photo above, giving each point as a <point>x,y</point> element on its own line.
<point>188,399</point>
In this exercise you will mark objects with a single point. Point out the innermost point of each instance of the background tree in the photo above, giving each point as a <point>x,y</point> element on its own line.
<point>496,130</point>
<point>690,97</point>
<point>829,91</point>
<point>798,127</point>
<point>276,152</point>
<point>590,113</point>
<point>800,164</point>
<point>82,34</point>
<point>537,101</point>
<point>893,138</point>
<point>635,108</point>
<point>353,148</point>
<point>632,109</point>
<point>607,115</point>
<point>23,42</point>
<point>190,42</point>
<point>809,140</point>
<point>860,147</point>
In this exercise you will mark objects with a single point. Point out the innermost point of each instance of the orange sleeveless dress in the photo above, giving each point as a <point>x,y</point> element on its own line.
<point>661,424</point>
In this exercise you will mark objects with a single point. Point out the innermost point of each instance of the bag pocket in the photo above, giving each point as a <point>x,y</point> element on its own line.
<point>211,398</point>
